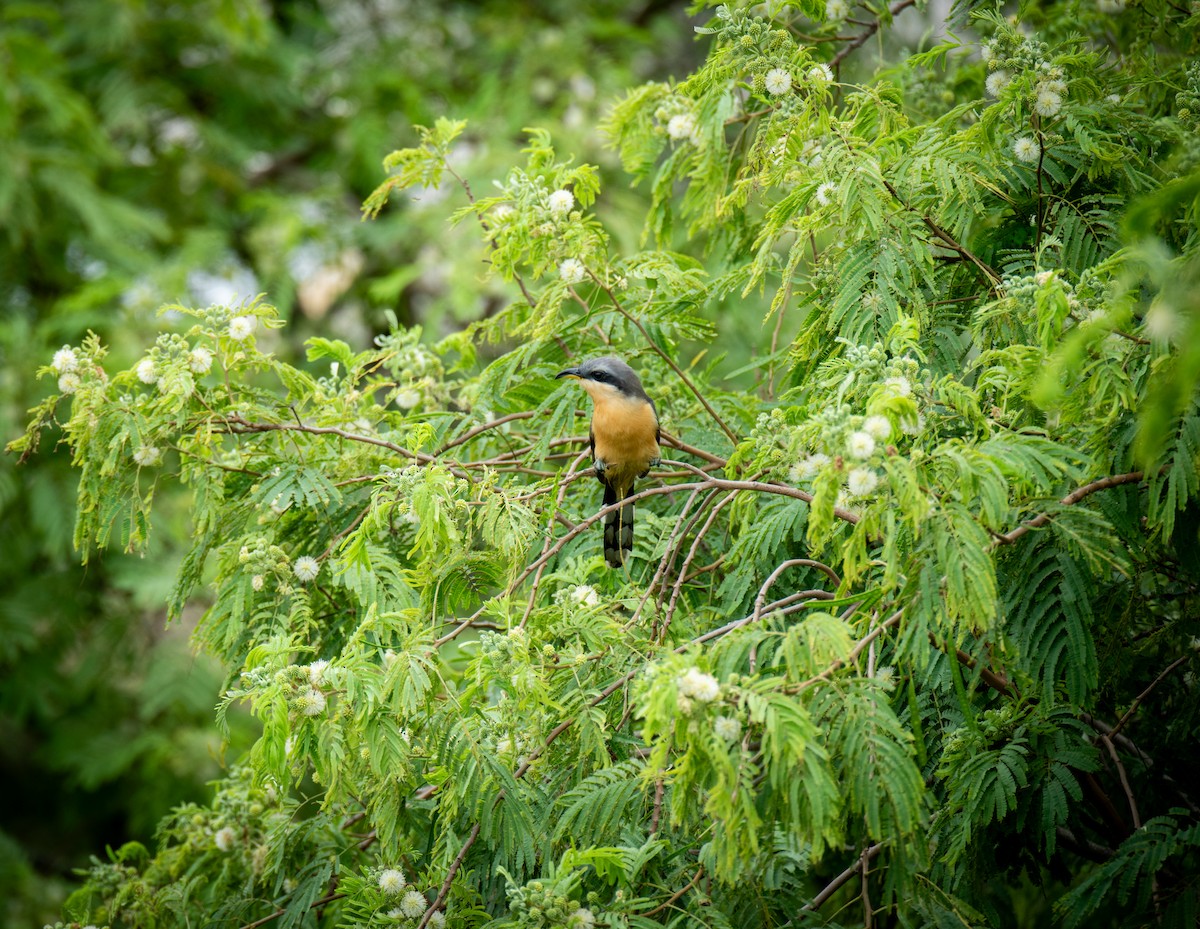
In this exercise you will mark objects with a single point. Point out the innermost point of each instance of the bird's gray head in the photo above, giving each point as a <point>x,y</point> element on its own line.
<point>609,371</point>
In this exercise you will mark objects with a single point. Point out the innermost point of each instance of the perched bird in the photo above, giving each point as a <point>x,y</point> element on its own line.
<point>624,441</point>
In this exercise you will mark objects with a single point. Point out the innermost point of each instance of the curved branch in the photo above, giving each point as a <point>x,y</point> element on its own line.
<point>1133,477</point>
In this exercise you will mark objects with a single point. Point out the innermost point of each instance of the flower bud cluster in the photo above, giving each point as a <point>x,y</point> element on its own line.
<point>540,905</point>
<point>263,562</point>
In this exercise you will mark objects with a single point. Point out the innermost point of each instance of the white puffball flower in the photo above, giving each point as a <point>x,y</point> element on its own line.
<point>582,918</point>
<point>877,427</point>
<point>257,582</point>
<point>808,467</point>
<point>306,568</point>
<point>820,74</point>
<point>1113,98</point>
<point>860,445</point>
<point>778,81</point>
<point>1027,149</point>
<point>242,327</point>
<point>561,202</point>
<point>586,594</point>
<point>727,728</point>
<point>146,371</point>
<point>64,360</point>
<point>224,838</point>
<point>147,455</point>
<point>988,53</point>
<point>69,383</point>
<point>681,126</point>
<point>414,904</point>
<point>825,192</point>
<point>572,271</point>
<point>502,213</point>
<point>1110,6</point>
<point>837,9</point>
<point>406,398</point>
<point>391,881</point>
<point>899,386</point>
<point>997,81</point>
<point>311,702</point>
<point>436,920</point>
<point>698,685</point>
<point>316,671</point>
<point>1047,103</point>
<point>200,360</point>
<point>861,481</point>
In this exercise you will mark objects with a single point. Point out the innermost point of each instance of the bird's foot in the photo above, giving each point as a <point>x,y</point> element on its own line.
<point>600,465</point>
<point>655,462</point>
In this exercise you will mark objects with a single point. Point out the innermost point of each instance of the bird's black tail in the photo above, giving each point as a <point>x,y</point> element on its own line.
<point>618,527</point>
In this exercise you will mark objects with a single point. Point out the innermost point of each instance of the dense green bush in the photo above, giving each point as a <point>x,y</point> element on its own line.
<point>907,632</point>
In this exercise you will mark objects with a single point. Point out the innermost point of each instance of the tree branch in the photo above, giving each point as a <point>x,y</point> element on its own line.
<point>1133,477</point>
<point>1137,701</point>
<point>833,886</point>
<point>872,28</point>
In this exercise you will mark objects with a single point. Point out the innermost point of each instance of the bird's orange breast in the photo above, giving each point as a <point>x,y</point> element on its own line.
<point>625,431</point>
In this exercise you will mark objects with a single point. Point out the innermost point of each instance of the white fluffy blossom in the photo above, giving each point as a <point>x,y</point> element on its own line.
<point>1027,149</point>
<point>391,881</point>
<point>257,582</point>
<point>69,383</point>
<point>808,467</point>
<point>860,445</point>
<point>899,386</point>
<point>1047,102</point>
<point>316,671</point>
<point>877,427</point>
<point>437,920</point>
<point>778,81</point>
<point>1110,6</point>
<point>572,271</point>
<point>64,360</point>
<point>825,193</point>
<point>200,360</point>
<point>413,905</point>
<point>586,594</point>
<point>311,702</point>
<point>997,81</point>
<point>582,918</point>
<point>820,74</point>
<point>727,728</point>
<point>696,684</point>
<point>407,397</point>
<point>224,838</point>
<point>681,126</point>
<point>146,371</point>
<point>561,202</point>
<point>242,327</point>
<point>988,53</point>
<point>503,212</point>
<point>837,9</point>
<point>306,568</point>
<point>861,481</point>
<point>147,455</point>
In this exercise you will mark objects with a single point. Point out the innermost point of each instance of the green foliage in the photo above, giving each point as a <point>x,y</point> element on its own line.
<point>927,609</point>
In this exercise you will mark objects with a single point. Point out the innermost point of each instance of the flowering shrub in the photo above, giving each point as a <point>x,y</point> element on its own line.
<point>899,607</point>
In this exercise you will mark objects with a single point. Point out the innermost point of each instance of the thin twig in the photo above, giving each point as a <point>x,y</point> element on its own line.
<point>675,896</point>
<point>1133,809</point>
<point>1133,477</point>
<point>1144,694</point>
<point>872,28</point>
<point>833,886</point>
<point>445,888</point>
<point>791,563</point>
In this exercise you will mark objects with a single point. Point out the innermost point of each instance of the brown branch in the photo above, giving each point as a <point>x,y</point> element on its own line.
<point>761,599</point>
<point>1133,809</point>
<point>1144,694</point>
<point>1133,477</point>
<point>445,888</point>
<point>675,896</point>
<point>946,238</point>
<point>328,898</point>
<point>872,28</point>
<point>833,886</point>
<point>484,427</point>
<point>667,358</point>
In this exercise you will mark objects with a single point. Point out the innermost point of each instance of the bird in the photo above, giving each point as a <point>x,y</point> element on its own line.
<point>623,439</point>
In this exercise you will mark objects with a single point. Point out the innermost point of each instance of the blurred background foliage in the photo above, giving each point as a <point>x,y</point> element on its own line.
<point>203,151</point>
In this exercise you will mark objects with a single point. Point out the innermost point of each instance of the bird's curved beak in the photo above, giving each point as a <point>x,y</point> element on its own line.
<point>570,372</point>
